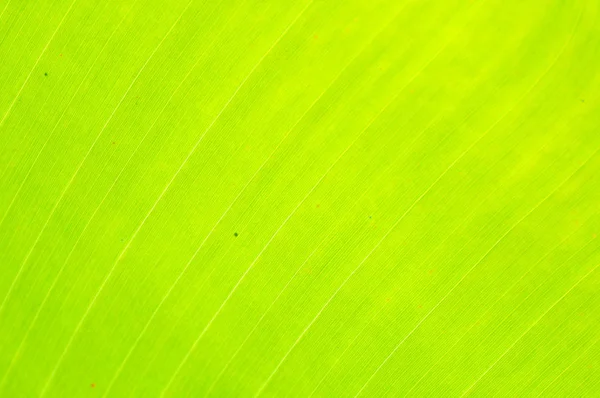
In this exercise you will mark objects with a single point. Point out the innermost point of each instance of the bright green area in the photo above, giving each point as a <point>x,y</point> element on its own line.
<point>299,198</point>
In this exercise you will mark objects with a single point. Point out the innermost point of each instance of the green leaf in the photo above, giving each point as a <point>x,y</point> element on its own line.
<point>299,198</point>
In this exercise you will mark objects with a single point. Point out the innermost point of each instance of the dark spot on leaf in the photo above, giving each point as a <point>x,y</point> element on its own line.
<point>92,385</point>
<point>235,234</point>
<point>46,74</point>
<point>370,217</point>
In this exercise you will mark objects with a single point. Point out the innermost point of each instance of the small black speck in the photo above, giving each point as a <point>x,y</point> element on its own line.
<point>235,234</point>
<point>46,74</point>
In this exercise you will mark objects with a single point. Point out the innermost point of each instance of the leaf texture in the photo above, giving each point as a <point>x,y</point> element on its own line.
<point>299,198</point>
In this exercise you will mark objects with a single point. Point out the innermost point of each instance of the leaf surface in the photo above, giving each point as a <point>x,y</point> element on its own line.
<point>299,198</point>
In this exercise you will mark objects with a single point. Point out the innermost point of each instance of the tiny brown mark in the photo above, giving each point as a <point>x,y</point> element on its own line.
<point>93,385</point>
